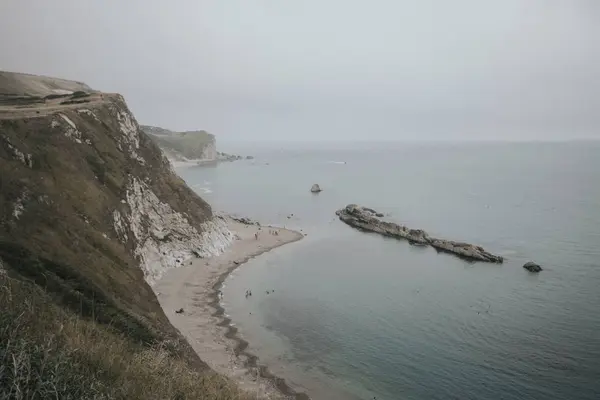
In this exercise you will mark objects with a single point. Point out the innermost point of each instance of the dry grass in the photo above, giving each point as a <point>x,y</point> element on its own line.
<point>48,352</point>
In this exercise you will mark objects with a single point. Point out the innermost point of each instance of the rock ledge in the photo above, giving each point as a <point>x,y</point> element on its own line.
<point>532,267</point>
<point>368,219</point>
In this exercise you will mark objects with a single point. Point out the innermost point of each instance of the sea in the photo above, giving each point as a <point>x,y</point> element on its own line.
<point>354,315</point>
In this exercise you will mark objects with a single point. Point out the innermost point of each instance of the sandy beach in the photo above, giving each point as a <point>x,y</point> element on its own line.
<point>194,288</point>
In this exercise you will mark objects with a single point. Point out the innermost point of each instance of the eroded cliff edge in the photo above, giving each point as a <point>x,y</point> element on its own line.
<point>92,212</point>
<point>195,147</point>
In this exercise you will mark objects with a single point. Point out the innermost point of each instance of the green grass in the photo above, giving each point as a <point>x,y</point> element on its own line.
<point>49,352</point>
<point>77,319</point>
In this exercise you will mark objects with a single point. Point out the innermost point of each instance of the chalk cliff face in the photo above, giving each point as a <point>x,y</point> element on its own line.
<point>85,193</point>
<point>182,146</point>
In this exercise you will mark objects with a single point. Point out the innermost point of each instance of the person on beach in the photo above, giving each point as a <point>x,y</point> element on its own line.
<point>256,235</point>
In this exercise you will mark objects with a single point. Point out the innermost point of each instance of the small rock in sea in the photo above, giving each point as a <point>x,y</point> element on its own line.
<point>180,311</point>
<point>316,188</point>
<point>532,267</point>
<point>236,262</point>
<point>379,215</point>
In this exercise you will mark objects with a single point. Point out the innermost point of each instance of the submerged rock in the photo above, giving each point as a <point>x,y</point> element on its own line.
<point>315,188</point>
<point>532,267</point>
<point>368,219</point>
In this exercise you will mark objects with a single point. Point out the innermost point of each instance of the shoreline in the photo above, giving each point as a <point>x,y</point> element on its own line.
<point>242,344</point>
<point>196,287</point>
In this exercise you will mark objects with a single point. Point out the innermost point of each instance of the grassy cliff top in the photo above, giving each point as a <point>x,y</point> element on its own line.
<point>189,144</point>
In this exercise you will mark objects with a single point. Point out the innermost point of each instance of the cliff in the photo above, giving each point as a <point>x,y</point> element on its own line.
<point>199,147</point>
<point>91,214</point>
<point>182,146</point>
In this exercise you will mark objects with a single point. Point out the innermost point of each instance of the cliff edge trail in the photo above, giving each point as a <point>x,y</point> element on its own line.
<point>91,214</point>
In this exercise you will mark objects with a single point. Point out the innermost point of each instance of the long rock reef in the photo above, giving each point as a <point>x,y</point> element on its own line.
<point>369,220</point>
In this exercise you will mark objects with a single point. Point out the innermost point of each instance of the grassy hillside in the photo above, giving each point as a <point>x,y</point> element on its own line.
<point>79,184</point>
<point>49,352</point>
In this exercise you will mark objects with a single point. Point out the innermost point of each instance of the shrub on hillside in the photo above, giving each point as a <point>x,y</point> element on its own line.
<point>79,93</point>
<point>47,352</point>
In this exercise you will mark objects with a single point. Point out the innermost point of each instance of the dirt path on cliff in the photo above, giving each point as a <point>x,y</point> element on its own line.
<point>52,106</point>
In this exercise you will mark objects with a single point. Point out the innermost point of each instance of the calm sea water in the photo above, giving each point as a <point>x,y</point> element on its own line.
<point>355,315</point>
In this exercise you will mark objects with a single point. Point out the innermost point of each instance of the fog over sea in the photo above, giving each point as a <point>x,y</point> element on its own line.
<point>355,315</point>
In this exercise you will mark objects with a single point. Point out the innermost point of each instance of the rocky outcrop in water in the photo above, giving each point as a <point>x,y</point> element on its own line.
<point>532,267</point>
<point>315,188</point>
<point>368,219</point>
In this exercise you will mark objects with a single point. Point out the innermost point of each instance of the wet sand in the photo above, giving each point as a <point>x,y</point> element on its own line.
<point>195,288</point>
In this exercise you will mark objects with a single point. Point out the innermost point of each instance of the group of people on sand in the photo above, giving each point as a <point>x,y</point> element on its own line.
<point>271,232</point>
<point>248,293</point>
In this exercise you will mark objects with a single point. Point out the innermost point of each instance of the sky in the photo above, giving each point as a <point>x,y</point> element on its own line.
<point>326,70</point>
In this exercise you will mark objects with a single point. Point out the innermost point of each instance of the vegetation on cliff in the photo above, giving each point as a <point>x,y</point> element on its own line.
<point>90,212</point>
<point>51,352</point>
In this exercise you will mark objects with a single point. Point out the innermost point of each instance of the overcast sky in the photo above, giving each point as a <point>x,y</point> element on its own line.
<point>326,69</point>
